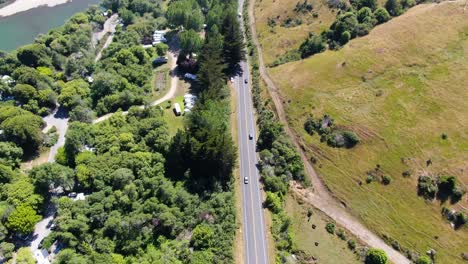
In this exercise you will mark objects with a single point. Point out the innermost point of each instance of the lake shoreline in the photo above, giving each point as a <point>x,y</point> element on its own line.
<point>17,6</point>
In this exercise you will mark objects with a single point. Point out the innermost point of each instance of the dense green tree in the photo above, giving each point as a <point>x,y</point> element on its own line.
<point>24,92</point>
<point>7,250</point>
<point>127,16</point>
<point>21,192</point>
<point>190,42</point>
<point>273,202</point>
<point>312,45</point>
<point>211,75</point>
<point>424,260</point>
<point>393,7</point>
<point>201,257</point>
<point>24,256</point>
<point>66,256</point>
<point>22,219</point>
<point>73,92</point>
<point>34,55</point>
<point>365,15</point>
<point>382,15</point>
<point>24,130</point>
<point>6,174</point>
<point>78,135</point>
<point>202,236</point>
<point>376,256</point>
<point>82,114</point>
<point>186,13</point>
<point>126,57</point>
<point>372,4</point>
<point>52,175</point>
<point>10,154</point>
<point>405,4</point>
<point>346,22</point>
<point>234,47</point>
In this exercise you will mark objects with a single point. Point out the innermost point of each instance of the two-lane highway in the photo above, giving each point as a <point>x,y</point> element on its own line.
<point>253,223</point>
<point>255,242</point>
<point>256,249</point>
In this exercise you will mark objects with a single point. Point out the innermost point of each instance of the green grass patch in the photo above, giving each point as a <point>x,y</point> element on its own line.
<point>174,122</point>
<point>317,242</point>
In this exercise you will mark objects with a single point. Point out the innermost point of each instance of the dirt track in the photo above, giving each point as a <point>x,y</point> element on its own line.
<point>320,197</point>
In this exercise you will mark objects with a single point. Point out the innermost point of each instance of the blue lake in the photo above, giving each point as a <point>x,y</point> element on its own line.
<point>22,28</point>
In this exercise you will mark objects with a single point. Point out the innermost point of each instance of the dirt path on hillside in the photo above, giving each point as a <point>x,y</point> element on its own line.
<point>320,197</point>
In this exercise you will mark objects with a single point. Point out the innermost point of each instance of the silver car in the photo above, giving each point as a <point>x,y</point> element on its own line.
<point>246,180</point>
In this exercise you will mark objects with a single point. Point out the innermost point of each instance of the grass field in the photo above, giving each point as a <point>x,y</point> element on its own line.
<point>174,122</point>
<point>161,81</point>
<point>278,39</point>
<point>399,89</point>
<point>330,248</point>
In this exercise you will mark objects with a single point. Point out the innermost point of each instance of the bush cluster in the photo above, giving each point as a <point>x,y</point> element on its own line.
<point>351,22</point>
<point>329,133</point>
<point>443,187</point>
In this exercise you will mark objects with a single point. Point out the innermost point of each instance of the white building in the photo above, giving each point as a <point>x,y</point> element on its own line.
<point>159,36</point>
<point>190,76</point>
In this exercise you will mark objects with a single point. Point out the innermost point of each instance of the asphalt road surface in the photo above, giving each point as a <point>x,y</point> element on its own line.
<point>255,242</point>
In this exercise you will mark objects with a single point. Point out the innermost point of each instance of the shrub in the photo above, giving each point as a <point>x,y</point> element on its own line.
<point>273,202</point>
<point>457,194</point>
<point>303,7</point>
<point>406,173</point>
<point>351,139</point>
<point>386,179</point>
<point>309,126</point>
<point>427,187</point>
<point>447,183</point>
<point>407,3</point>
<point>341,234</point>
<point>330,227</point>
<point>291,55</point>
<point>393,7</point>
<point>369,178</point>
<point>423,260</point>
<point>459,219</point>
<point>444,136</point>
<point>352,244</point>
<point>382,15</point>
<point>376,256</point>
<point>312,45</point>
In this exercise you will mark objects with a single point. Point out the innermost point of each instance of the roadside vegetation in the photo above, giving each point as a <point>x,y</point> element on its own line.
<point>401,92</point>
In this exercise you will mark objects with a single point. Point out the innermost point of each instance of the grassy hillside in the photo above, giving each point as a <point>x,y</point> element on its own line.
<point>317,242</point>
<point>399,88</point>
<point>277,38</point>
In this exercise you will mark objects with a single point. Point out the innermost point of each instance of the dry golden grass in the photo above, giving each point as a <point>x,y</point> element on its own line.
<point>277,40</point>
<point>399,89</point>
<point>330,248</point>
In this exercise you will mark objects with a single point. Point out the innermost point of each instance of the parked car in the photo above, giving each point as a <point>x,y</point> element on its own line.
<point>72,195</point>
<point>50,223</point>
<point>40,244</point>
